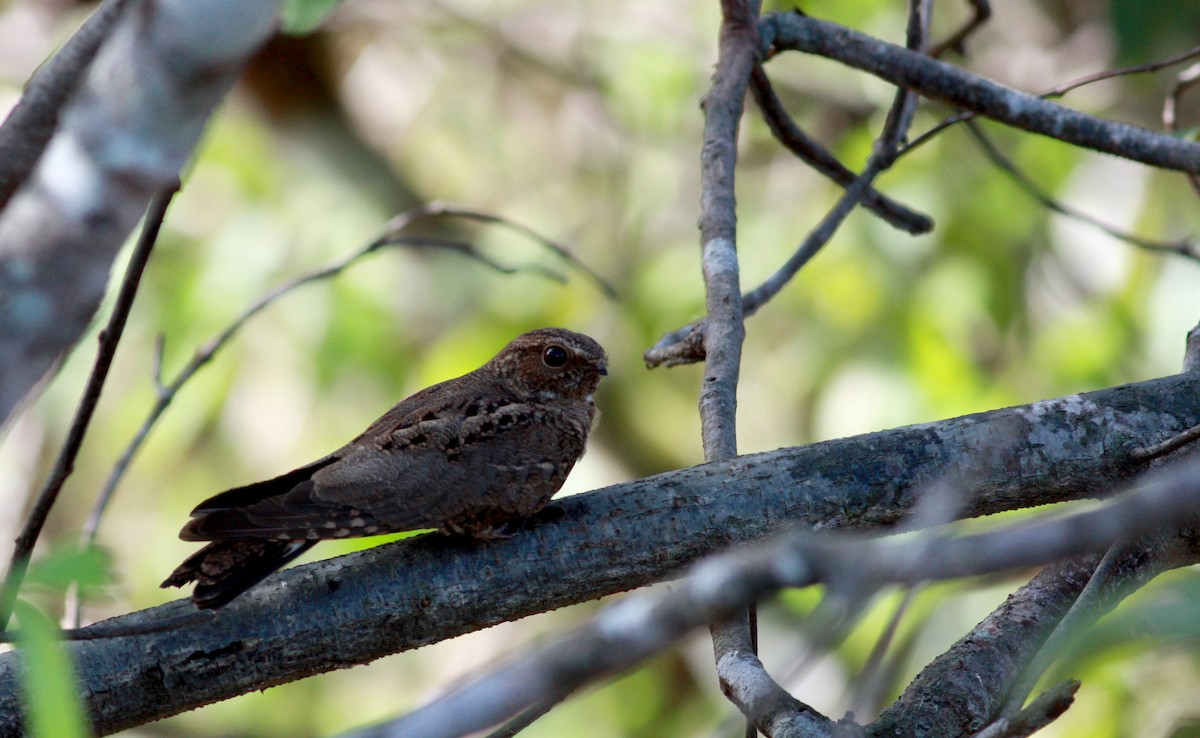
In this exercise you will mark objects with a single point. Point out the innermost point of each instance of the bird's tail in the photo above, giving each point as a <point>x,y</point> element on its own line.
<point>223,570</point>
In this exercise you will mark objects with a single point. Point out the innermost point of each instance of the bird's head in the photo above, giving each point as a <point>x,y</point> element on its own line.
<point>552,363</point>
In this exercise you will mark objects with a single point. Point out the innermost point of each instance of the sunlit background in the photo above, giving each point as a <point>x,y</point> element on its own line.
<point>582,121</point>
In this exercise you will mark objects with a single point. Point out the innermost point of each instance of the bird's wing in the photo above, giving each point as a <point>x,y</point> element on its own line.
<point>413,472</point>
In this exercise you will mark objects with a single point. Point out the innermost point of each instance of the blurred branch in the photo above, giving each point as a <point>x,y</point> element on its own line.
<point>1184,81</point>
<point>872,681</point>
<point>392,236</point>
<point>1184,247</point>
<point>788,133</point>
<point>124,136</point>
<point>940,81</point>
<point>1191,357</point>
<point>110,338</point>
<point>34,119</point>
<point>414,592</point>
<point>525,718</point>
<point>957,40</point>
<point>1125,568</point>
<point>962,691</point>
<point>622,635</point>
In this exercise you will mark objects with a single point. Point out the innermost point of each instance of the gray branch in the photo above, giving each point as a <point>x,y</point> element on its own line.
<point>126,134</point>
<point>937,80</point>
<point>622,635</point>
<point>353,609</point>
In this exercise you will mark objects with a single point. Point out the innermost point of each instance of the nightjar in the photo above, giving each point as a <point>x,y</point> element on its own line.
<point>464,456</point>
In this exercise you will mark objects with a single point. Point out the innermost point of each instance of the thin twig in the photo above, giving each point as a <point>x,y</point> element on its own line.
<point>691,343</point>
<point>441,209</point>
<point>1184,247</point>
<point>110,337</point>
<point>957,40</point>
<point>1044,710</point>
<point>871,681</point>
<point>469,250</point>
<point>524,719</point>
<point>1148,67</point>
<point>788,133</point>
<point>1174,443</point>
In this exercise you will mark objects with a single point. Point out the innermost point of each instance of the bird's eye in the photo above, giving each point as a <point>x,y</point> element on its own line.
<point>555,356</point>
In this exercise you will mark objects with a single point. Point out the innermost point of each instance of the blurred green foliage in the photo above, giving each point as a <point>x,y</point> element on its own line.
<point>582,121</point>
<point>53,709</point>
<point>49,688</point>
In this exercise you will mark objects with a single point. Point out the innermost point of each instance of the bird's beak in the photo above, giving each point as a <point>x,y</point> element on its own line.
<point>604,371</point>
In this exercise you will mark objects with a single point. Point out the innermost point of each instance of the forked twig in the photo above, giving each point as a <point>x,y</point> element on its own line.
<point>956,41</point>
<point>795,140</point>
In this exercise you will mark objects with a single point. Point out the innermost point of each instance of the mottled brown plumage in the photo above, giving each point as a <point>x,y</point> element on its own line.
<point>464,456</point>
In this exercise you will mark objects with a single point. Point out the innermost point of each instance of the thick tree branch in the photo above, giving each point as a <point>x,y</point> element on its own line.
<point>622,635</point>
<point>963,690</point>
<point>355,608</point>
<point>126,135</point>
<point>940,81</point>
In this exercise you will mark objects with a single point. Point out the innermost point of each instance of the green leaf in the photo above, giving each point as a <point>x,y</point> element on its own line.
<point>49,689</point>
<point>302,16</point>
<point>89,567</point>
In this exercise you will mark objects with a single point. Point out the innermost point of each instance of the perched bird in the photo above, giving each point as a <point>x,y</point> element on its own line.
<point>464,456</point>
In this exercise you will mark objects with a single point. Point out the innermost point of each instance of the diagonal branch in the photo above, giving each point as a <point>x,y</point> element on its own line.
<point>818,157</point>
<point>1184,247</point>
<point>34,119</point>
<point>937,80</point>
<point>957,40</point>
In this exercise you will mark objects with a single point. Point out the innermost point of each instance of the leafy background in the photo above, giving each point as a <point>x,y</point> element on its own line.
<point>581,120</point>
